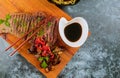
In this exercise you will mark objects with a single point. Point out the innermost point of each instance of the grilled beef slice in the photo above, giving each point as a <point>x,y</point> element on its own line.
<point>23,22</point>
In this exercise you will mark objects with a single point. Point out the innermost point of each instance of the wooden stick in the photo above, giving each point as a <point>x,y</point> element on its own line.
<point>18,40</point>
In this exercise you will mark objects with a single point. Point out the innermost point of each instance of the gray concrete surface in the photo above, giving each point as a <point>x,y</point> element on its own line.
<point>99,57</point>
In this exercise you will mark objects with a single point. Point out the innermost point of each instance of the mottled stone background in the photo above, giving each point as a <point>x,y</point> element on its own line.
<point>99,57</point>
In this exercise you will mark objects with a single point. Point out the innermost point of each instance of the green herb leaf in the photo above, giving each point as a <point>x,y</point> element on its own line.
<point>32,25</point>
<point>7,23</point>
<point>46,58</point>
<point>41,32</point>
<point>15,20</point>
<point>40,58</point>
<point>1,21</point>
<point>38,19</point>
<point>8,16</point>
<point>44,64</point>
<point>49,24</point>
<point>24,24</point>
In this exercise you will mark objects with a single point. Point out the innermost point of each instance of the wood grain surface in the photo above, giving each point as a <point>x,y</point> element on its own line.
<point>14,6</point>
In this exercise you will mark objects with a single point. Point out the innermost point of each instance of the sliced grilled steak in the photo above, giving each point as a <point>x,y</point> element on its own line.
<point>20,23</point>
<point>23,22</point>
<point>50,35</point>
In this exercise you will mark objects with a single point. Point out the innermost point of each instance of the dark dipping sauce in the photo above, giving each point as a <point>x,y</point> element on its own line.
<point>73,32</point>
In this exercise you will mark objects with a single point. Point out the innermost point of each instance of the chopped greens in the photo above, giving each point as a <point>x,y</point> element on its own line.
<point>43,61</point>
<point>40,58</point>
<point>1,21</point>
<point>41,32</point>
<point>8,16</point>
<point>49,24</point>
<point>38,19</point>
<point>46,58</point>
<point>44,64</point>
<point>24,24</point>
<point>3,29</point>
<point>15,20</point>
<point>6,21</point>
<point>32,24</point>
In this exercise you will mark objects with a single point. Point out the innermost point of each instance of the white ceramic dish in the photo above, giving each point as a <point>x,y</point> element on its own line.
<point>63,23</point>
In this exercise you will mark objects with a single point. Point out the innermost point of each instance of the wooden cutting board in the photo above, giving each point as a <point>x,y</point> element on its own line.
<point>13,6</point>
